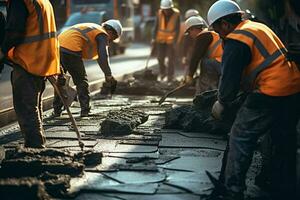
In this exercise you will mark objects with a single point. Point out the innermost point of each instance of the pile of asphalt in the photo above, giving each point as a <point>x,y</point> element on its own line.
<point>146,83</point>
<point>122,122</point>
<point>28,173</point>
<point>197,117</point>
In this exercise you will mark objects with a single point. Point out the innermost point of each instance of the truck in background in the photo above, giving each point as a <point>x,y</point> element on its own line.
<point>122,10</point>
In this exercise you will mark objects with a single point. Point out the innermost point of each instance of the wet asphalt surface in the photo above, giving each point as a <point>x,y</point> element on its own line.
<point>150,163</point>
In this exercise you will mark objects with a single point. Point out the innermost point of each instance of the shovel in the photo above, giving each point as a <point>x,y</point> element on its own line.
<point>66,103</point>
<point>148,74</point>
<point>163,98</point>
<point>65,100</point>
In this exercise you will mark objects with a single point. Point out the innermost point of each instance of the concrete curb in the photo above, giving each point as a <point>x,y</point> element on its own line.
<point>8,115</point>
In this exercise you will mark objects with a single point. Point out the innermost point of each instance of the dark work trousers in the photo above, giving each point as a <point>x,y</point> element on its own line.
<point>261,114</point>
<point>27,99</point>
<point>166,51</point>
<point>74,65</point>
<point>210,72</point>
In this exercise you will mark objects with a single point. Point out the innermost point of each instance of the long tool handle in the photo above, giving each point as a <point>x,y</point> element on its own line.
<point>52,81</point>
<point>171,92</point>
<point>148,58</point>
<point>174,90</point>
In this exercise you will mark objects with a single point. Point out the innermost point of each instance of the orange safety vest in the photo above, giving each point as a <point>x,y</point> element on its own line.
<point>269,71</point>
<point>81,38</point>
<point>215,49</point>
<point>166,32</point>
<point>38,54</point>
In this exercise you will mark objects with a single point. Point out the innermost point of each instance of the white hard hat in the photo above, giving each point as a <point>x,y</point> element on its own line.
<point>166,4</point>
<point>222,8</point>
<point>116,25</point>
<point>194,21</point>
<point>191,12</point>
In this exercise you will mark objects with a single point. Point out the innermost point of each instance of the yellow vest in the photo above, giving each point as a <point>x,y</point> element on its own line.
<point>166,32</point>
<point>82,38</point>
<point>38,54</point>
<point>269,71</point>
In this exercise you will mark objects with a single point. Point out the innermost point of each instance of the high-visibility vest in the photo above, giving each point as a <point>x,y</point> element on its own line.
<point>81,38</point>
<point>215,49</point>
<point>166,31</point>
<point>38,53</point>
<point>269,71</point>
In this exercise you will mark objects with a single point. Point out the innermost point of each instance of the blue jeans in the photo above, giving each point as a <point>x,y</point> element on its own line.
<point>261,114</point>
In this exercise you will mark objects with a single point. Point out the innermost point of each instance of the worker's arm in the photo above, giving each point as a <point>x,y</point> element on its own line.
<point>202,43</point>
<point>103,59</point>
<point>154,31</point>
<point>177,30</point>
<point>15,25</point>
<point>235,59</point>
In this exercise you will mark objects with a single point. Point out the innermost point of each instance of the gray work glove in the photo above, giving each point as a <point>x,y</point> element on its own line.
<point>217,110</point>
<point>111,83</point>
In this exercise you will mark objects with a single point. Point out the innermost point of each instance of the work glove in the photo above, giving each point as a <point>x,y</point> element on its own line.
<point>184,60</point>
<point>217,110</point>
<point>61,80</point>
<point>188,79</point>
<point>111,83</point>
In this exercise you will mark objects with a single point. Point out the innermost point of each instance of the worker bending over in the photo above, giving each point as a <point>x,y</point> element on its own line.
<point>208,50</point>
<point>185,42</point>
<point>86,41</point>
<point>254,61</point>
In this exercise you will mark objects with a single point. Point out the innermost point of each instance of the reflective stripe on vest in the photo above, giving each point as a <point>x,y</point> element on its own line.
<point>248,81</point>
<point>42,36</point>
<point>269,59</point>
<point>83,33</point>
<point>81,38</point>
<point>268,72</point>
<point>213,48</point>
<point>37,38</point>
<point>38,53</point>
<point>166,31</point>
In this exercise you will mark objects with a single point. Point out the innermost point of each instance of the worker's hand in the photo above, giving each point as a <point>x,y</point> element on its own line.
<point>61,80</point>
<point>152,42</point>
<point>217,110</point>
<point>188,79</point>
<point>184,60</point>
<point>111,83</point>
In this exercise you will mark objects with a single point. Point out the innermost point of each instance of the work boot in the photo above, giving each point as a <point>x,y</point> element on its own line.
<point>162,77</point>
<point>85,112</point>
<point>56,113</point>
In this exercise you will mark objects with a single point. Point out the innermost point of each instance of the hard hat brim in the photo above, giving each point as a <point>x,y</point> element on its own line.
<point>240,11</point>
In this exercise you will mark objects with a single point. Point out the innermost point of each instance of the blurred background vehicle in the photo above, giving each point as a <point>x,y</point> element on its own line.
<point>84,17</point>
<point>98,11</point>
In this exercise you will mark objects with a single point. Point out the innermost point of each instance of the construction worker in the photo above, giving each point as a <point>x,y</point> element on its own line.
<point>254,61</point>
<point>186,43</point>
<point>86,41</point>
<point>208,50</point>
<point>165,36</point>
<point>31,44</point>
